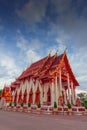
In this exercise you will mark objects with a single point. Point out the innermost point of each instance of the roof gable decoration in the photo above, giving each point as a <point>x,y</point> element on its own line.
<point>50,62</point>
<point>58,66</point>
<point>65,60</point>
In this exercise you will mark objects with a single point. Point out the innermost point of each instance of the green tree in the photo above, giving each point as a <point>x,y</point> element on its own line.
<point>85,104</point>
<point>83,97</point>
<point>0,91</point>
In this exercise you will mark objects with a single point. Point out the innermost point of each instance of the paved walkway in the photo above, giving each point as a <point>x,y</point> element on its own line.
<point>24,121</point>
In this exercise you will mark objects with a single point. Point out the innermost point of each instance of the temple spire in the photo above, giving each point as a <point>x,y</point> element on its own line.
<point>50,52</point>
<point>56,54</point>
<point>65,50</point>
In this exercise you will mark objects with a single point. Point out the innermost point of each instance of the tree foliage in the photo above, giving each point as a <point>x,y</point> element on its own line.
<point>0,91</point>
<point>39,105</point>
<point>85,104</point>
<point>69,105</point>
<point>83,97</point>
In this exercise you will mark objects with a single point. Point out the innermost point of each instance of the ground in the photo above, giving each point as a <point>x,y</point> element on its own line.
<point>24,121</point>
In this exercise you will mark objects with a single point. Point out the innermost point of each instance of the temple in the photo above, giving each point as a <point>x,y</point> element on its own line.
<point>6,94</point>
<point>46,81</point>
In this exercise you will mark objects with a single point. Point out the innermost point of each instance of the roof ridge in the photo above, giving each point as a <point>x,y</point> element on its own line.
<point>59,65</point>
<point>44,63</point>
<point>50,64</point>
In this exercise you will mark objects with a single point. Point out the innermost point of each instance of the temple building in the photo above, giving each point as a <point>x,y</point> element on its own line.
<point>46,81</point>
<point>6,94</point>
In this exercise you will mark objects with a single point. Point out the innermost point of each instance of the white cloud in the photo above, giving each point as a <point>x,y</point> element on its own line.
<point>29,49</point>
<point>22,43</point>
<point>9,69</point>
<point>33,11</point>
<point>5,81</point>
<point>36,44</point>
<point>25,44</point>
<point>32,56</point>
<point>80,91</point>
<point>78,63</point>
<point>62,37</point>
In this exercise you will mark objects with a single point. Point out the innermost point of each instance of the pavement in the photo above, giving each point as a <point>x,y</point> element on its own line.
<point>27,121</point>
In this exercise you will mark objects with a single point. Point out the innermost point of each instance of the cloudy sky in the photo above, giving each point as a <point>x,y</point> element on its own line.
<point>30,28</point>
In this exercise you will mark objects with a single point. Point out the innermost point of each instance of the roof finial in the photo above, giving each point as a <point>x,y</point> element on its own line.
<point>50,52</point>
<point>56,54</point>
<point>57,51</point>
<point>4,85</point>
<point>65,50</point>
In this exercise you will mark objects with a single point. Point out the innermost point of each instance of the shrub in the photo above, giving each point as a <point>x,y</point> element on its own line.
<point>29,104</point>
<point>85,104</point>
<point>10,104</point>
<point>39,105</point>
<point>69,105</point>
<point>55,105</point>
<point>22,104</point>
<point>15,104</point>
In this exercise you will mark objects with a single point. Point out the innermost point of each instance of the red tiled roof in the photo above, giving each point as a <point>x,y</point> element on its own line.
<point>33,68</point>
<point>41,68</point>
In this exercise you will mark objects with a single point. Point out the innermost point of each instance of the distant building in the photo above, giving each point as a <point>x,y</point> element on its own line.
<point>46,81</point>
<point>6,94</point>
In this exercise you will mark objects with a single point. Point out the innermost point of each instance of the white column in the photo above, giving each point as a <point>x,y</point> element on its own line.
<point>60,82</point>
<point>17,98</point>
<point>45,92</point>
<point>69,96</point>
<point>41,93</point>
<point>74,95</point>
<point>56,90</point>
<point>65,100</point>
<point>27,98</point>
<point>13,95</point>
<point>41,98</point>
<point>13,99</point>
<point>72,92</point>
<point>16,95</point>
<point>52,93</point>
<point>34,94</point>
<point>22,96</point>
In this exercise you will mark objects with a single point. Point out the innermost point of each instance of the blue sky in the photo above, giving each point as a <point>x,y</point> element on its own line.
<point>30,28</point>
